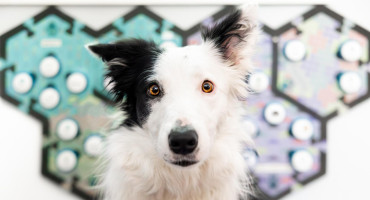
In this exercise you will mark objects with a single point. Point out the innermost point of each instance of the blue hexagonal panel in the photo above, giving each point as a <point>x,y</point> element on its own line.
<point>61,84</point>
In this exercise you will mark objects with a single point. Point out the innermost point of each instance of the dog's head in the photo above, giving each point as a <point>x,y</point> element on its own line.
<point>181,96</point>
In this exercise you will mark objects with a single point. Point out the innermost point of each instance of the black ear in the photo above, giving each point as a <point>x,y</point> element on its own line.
<point>235,35</point>
<point>128,62</point>
<point>106,52</point>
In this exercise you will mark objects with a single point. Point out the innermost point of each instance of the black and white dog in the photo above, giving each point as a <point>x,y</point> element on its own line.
<point>182,138</point>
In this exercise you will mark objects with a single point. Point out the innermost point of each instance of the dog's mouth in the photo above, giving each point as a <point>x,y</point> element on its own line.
<point>184,163</point>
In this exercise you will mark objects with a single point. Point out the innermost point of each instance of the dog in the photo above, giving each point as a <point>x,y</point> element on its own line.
<point>182,137</point>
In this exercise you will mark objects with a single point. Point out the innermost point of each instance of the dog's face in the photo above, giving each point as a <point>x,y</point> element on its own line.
<point>181,96</point>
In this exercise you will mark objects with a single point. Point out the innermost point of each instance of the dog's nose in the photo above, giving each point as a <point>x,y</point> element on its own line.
<point>183,141</point>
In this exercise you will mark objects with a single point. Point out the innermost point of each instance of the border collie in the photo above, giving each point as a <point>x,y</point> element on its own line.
<point>182,137</point>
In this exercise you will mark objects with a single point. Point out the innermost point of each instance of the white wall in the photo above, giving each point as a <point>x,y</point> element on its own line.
<point>348,135</point>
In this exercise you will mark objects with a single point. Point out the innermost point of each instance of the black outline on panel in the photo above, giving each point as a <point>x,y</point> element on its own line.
<point>362,98</point>
<point>44,120</point>
<point>323,120</point>
<point>143,10</point>
<point>79,192</point>
<point>317,9</point>
<point>100,32</point>
<point>351,104</point>
<point>366,33</point>
<point>52,10</point>
<point>44,166</point>
<point>321,172</point>
<point>323,9</point>
<point>265,196</point>
<point>3,93</point>
<point>4,37</point>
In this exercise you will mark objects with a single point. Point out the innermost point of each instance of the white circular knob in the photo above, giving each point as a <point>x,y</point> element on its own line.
<point>67,129</point>
<point>302,129</point>
<point>49,67</point>
<point>251,157</point>
<point>302,161</point>
<point>250,128</point>
<point>49,98</point>
<point>76,82</point>
<point>295,50</point>
<point>22,83</point>
<point>350,82</point>
<point>258,82</point>
<point>66,161</point>
<point>93,145</point>
<point>351,51</point>
<point>168,45</point>
<point>167,35</point>
<point>274,113</point>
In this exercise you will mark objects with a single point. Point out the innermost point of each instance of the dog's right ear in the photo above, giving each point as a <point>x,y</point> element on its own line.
<point>126,60</point>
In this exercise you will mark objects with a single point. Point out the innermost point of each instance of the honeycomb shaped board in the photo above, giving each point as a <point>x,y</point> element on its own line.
<point>46,72</point>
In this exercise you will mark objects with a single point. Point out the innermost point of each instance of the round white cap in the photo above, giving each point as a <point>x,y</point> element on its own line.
<point>66,161</point>
<point>49,98</point>
<point>274,113</point>
<point>251,157</point>
<point>302,129</point>
<point>22,83</point>
<point>302,161</point>
<point>295,50</point>
<point>350,82</point>
<point>167,35</point>
<point>76,82</point>
<point>168,44</point>
<point>93,145</point>
<point>351,51</point>
<point>250,128</point>
<point>258,82</point>
<point>67,129</point>
<point>49,67</point>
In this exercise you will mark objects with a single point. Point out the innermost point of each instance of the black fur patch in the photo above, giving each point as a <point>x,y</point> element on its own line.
<point>130,63</point>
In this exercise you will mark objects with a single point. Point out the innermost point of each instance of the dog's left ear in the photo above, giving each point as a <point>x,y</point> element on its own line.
<point>235,36</point>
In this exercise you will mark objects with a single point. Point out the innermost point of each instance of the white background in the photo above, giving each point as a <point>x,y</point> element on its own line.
<point>348,167</point>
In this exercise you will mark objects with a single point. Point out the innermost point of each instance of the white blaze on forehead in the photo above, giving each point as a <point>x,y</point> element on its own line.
<point>190,63</point>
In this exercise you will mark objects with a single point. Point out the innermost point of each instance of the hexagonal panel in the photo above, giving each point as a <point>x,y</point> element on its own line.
<point>282,133</point>
<point>130,25</point>
<point>286,112</point>
<point>322,62</point>
<point>55,83</point>
<point>52,82</point>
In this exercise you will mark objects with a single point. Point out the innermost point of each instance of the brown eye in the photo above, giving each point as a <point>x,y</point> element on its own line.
<point>154,90</point>
<point>207,86</point>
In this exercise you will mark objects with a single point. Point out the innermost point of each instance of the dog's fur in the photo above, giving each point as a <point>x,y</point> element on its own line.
<point>140,164</point>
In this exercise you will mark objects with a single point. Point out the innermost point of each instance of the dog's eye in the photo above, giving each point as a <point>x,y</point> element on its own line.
<point>154,90</point>
<point>207,86</point>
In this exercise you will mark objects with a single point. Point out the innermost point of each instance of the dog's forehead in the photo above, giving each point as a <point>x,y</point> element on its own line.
<point>188,60</point>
